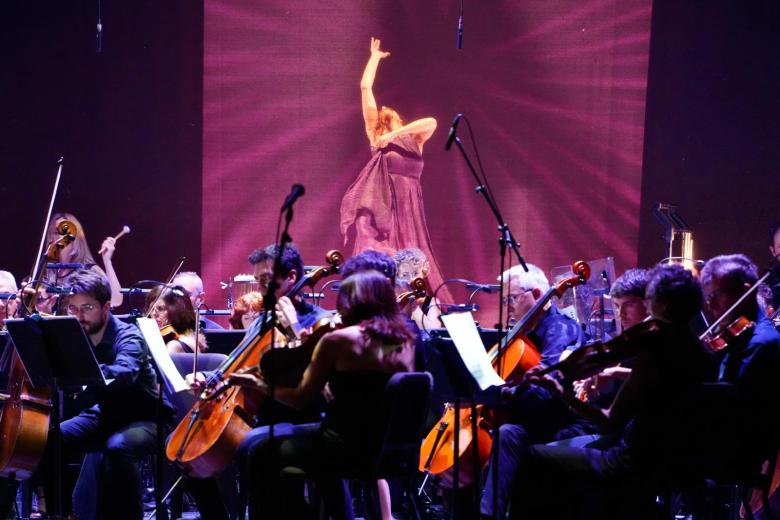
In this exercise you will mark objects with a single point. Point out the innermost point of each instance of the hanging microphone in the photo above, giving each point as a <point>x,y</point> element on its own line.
<point>459,42</point>
<point>452,135</point>
<point>460,31</point>
<point>297,192</point>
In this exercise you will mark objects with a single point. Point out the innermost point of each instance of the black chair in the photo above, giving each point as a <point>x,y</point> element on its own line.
<point>182,403</point>
<point>713,450</point>
<point>406,401</point>
<point>207,362</point>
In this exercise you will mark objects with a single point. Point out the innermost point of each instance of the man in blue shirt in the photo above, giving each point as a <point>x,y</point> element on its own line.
<point>751,361</point>
<point>534,415</point>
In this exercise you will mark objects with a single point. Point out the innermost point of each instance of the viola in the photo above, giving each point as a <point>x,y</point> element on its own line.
<point>206,439</point>
<point>511,358</point>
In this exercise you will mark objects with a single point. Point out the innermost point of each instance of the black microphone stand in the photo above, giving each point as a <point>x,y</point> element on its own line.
<point>505,239</point>
<point>269,302</point>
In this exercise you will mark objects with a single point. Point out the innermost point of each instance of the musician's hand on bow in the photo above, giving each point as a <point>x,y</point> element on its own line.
<point>286,314</point>
<point>248,379</point>
<point>196,382</point>
<point>107,248</point>
<point>545,381</point>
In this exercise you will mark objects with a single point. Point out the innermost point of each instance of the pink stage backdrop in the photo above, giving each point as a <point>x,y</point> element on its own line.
<point>554,90</point>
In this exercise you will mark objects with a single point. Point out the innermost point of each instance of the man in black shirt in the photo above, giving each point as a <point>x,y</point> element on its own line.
<point>122,423</point>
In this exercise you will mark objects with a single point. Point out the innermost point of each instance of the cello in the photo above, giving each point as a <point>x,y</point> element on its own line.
<point>206,438</point>
<point>24,424</point>
<point>517,354</point>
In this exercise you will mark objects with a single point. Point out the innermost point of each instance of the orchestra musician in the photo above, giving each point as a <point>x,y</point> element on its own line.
<point>78,252</point>
<point>193,284</point>
<point>383,208</point>
<point>8,306</point>
<point>616,478</point>
<point>412,264</point>
<point>752,359</point>
<point>245,310</point>
<point>8,302</point>
<point>296,314</point>
<point>533,415</point>
<point>628,299</point>
<point>356,361</point>
<point>774,250</point>
<point>122,425</point>
<point>172,306</point>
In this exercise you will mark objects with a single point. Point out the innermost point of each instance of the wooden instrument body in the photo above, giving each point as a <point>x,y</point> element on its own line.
<point>206,439</point>
<point>24,424</point>
<point>219,423</point>
<point>439,445</point>
<point>510,358</point>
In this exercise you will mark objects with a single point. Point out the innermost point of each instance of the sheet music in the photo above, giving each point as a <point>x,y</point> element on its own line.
<point>465,335</point>
<point>151,333</point>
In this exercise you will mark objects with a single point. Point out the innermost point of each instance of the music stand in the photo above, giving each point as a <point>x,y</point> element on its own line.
<point>55,351</point>
<point>453,382</point>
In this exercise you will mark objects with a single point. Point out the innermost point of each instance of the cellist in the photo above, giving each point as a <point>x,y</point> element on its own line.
<point>533,414</point>
<point>7,310</point>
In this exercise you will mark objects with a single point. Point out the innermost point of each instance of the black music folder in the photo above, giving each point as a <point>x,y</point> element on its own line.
<point>55,347</point>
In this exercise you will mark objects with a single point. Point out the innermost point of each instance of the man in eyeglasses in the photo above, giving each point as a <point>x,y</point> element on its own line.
<point>534,415</point>
<point>122,423</point>
<point>752,359</point>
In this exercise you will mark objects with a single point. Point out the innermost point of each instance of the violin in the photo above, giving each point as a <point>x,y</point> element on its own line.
<point>169,333</point>
<point>591,359</point>
<point>727,334</point>
<point>510,358</point>
<point>418,289</point>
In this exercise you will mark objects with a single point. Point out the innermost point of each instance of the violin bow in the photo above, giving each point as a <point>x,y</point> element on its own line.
<point>34,272</point>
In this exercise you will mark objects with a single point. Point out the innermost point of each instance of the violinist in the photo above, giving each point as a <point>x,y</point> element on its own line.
<point>193,284</point>
<point>175,316</point>
<point>628,299</point>
<point>411,264</point>
<point>616,478</point>
<point>78,252</point>
<point>774,250</point>
<point>751,359</point>
<point>357,361</point>
<point>533,415</point>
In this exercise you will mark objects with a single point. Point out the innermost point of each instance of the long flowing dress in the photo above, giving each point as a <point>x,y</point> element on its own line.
<point>387,194</point>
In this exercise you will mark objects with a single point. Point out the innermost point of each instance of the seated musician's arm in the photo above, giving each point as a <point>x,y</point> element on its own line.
<point>130,357</point>
<point>323,361</point>
<point>623,407</point>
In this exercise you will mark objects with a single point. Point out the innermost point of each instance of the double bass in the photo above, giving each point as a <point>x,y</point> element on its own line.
<point>517,354</point>
<point>24,424</point>
<point>207,437</point>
